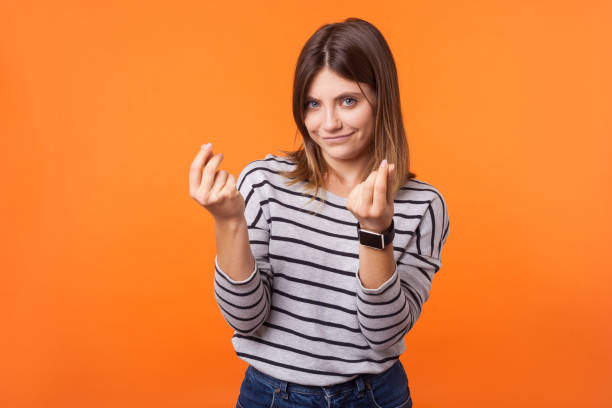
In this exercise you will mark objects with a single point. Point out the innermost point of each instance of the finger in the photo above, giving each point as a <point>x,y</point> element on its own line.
<point>379,201</point>
<point>229,188</point>
<point>366,191</point>
<point>230,184</point>
<point>220,179</point>
<point>195,171</point>
<point>210,169</point>
<point>390,182</point>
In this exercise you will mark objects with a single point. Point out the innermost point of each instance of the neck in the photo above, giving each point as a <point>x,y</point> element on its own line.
<point>344,175</point>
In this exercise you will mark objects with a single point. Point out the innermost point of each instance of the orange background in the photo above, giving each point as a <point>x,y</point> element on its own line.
<point>106,289</point>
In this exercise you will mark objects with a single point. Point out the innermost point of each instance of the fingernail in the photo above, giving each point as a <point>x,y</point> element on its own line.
<point>384,163</point>
<point>207,145</point>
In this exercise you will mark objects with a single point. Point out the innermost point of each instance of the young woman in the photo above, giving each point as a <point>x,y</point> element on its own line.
<point>326,256</point>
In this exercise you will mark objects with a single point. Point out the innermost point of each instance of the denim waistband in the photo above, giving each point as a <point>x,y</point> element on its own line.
<point>360,382</point>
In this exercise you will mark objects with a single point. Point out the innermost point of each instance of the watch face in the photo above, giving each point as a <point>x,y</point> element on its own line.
<point>370,239</point>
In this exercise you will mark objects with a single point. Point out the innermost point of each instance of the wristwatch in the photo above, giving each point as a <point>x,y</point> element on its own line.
<point>376,240</point>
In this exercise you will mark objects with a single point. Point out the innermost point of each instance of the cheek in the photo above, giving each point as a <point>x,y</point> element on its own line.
<point>310,122</point>
<point>360,119</point>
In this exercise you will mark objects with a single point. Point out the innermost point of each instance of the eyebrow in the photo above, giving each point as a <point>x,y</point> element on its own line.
<point>341,96</point>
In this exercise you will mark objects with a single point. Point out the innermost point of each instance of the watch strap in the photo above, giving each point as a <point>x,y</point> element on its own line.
<point>376,240</point>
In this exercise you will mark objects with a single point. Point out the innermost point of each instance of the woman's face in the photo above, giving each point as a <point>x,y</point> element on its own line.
<point>338,117</point>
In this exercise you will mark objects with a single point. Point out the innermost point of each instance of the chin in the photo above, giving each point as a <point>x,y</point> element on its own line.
<point>342,154</point>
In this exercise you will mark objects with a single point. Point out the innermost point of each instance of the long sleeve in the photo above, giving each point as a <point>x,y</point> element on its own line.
<point>388,312</point>
<point>245,305</point>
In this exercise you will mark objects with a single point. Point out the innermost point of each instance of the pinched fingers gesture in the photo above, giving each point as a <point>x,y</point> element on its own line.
<point>214,189</point>
<point>371,201</point>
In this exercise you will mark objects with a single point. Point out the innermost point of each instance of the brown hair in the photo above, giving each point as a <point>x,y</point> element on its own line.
<point>356,50</point>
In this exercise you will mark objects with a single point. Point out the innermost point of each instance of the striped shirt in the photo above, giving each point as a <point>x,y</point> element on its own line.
<point>303,314</point>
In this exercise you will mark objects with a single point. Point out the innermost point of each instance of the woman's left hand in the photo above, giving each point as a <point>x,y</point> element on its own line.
<point>371,201</point>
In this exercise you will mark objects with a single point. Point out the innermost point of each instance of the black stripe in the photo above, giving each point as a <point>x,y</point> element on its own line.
<point>240,307</point>
<point>267,274</point>
<point>420,258</point>
<point>277,160</point>
<point>379,303</point>
<point>400,333</point>
<point>312,338</point>
<point>413,293</point>
<point>317,284</point>
<point>363,326</point>
<point>305,353</point>
<point>304,370</point>
<point>248,198</point>
<point>337,221</point>
<point>263,309</point>
<point>326,233</point>
<point>259,214</point>
<point>320,248</point>
<point>324,249</point>
<point>411,201</point>
<point>313,320</point>
<point>381,316</point>
<point>420,189</point>
<point>423,272</point>
<point>308,263</point>
<point>315,302</point>
<point>410,217</point>
<point>420,182</point>
<point>418,239</point>
<point>433,229</point>
<point>254,227</point>
<point>251,171</point>
<point>256,325</point>
<point>236,293</point>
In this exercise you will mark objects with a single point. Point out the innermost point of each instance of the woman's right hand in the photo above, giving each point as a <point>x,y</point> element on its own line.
<point>215,190</point>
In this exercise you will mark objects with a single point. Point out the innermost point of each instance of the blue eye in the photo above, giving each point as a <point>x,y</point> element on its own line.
<point>308,104</point>
<point>352,99</point>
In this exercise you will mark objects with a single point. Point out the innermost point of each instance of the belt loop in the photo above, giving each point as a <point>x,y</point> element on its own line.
<point>360,386</point>
<point>283,389</point>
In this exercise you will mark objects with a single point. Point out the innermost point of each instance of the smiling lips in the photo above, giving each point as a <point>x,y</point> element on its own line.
<point>337,137</point>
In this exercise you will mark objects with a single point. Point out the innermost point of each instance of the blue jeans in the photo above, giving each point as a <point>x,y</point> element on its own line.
<point>388,389</point>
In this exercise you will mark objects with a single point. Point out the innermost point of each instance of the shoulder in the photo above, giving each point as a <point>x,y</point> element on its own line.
<point>416,191</point>
<point>266,168</point>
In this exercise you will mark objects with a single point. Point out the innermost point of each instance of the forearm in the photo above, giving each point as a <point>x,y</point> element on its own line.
<point>375,266</point>
<point>234,254</point>
<point>382,310</point>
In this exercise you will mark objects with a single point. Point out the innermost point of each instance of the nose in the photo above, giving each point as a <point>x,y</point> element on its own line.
<point>331,121</point>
